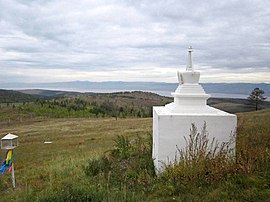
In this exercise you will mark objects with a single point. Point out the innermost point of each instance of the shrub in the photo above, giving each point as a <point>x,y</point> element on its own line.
<point>128,168</point>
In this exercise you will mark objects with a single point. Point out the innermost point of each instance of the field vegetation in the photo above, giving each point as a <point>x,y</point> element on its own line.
<point>110,160</point>
<point>117,105</point>
<point>101,158</point>
<point>18,107</point>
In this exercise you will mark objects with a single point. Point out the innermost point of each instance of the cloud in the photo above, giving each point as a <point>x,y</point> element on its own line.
<point>149,73</point>
<point>71,40</point>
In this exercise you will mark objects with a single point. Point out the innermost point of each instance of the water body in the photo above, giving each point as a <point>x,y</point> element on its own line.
<point>163,93</point>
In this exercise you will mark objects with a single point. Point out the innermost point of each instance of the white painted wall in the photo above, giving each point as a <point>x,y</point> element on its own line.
<point>169,130</point>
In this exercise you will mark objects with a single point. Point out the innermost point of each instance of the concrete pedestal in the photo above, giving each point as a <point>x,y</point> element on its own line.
<point>169,130</point>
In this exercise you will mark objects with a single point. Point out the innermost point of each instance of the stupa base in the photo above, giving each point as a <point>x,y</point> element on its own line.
<point>169,130</point>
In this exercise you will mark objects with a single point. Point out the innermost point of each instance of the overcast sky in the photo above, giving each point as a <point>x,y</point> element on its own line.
<point>133,40</point>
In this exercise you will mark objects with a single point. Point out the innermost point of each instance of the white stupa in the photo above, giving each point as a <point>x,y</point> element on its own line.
<point>172,122</point>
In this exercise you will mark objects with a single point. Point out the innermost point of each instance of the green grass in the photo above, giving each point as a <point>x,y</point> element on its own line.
<point>110,160</point>
<point>75,141</point>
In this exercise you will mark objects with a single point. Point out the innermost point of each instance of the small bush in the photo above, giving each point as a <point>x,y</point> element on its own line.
<point>95,166</point>
<point>128,168</point>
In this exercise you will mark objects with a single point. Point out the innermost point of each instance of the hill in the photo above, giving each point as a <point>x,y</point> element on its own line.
<point>60,104</point>
<point>41,93</point>
<point>138,99</point>
<point>235,88</point>
<point>146,100</point>
<point>10,96</point>
<point>235,105</point>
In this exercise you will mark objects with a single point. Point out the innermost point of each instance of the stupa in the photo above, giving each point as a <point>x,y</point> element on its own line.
<point>172,122</point>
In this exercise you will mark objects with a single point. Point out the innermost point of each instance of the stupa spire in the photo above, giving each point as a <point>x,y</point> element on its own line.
<point>189,76</point>
<point>190,62</point>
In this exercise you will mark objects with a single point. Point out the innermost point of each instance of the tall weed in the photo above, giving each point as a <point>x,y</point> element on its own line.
<point>202,163</point>
<point>253,151</point>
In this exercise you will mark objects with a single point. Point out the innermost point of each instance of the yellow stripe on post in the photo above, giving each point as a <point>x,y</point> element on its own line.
<point>9,155</point>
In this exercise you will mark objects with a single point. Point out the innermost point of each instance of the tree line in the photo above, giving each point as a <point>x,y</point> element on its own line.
<point>77,107</point>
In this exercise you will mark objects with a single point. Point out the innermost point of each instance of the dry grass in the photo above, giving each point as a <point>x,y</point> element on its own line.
<point>44,169</point>
<point>74,141</point>
<point>253,141</point>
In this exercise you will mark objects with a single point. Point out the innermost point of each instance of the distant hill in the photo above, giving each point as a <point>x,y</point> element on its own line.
<point>136,99</point>
<point>157,87</point>
<point>235,88</point>
<point>10,96</point>
<point>139,99</point>
<point>41,93</point>
<point>60,104</point>
<point>147,100</point>
<point>235,105</point>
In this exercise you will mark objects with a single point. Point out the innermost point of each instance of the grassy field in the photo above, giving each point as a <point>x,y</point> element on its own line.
<point>45,172</point>
<point>74,141</point>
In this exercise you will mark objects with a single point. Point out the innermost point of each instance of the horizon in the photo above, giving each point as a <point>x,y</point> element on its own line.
<point>118,81</point>
<point>215,90</point>
<point>161,88</point>
<point>164,92</point>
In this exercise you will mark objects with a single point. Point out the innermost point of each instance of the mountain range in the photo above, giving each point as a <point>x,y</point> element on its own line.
<point>158,87</point>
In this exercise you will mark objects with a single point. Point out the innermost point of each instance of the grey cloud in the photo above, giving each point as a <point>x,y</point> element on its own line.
<point>107,35</point>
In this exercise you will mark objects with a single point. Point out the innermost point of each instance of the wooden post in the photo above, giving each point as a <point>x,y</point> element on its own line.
<point>13,176</point>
